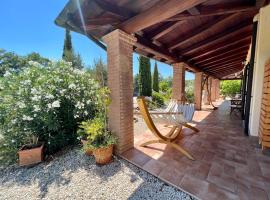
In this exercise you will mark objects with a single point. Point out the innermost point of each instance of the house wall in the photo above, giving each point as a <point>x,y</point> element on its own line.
<point>261,56</point>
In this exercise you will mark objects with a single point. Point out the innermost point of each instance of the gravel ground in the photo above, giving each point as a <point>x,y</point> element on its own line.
<point>74,175</point>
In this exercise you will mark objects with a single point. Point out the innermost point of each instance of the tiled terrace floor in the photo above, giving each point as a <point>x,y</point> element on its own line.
<point>228,165</point>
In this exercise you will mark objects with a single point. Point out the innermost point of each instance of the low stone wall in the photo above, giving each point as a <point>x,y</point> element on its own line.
<point>264,128</point>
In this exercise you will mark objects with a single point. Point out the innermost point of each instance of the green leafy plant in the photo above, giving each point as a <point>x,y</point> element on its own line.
<point>96,133</point>
<point>157,99</point>
<point>46,103</point>
<point>230,87</point>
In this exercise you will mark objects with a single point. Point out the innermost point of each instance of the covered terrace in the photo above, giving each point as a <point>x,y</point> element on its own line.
<point>211,38</point>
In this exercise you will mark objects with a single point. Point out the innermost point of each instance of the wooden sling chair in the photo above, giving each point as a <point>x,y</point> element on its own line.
<point>168,139</point>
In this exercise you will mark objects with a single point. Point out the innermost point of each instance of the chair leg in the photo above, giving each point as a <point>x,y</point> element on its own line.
<point>177,147</point>
<point>191,127</point>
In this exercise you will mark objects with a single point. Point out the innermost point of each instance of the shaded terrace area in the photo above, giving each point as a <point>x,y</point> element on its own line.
<point>228,165</point>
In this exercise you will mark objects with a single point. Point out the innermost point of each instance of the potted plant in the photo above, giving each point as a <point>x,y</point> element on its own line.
<point>31,153</point>
<point>83,138</point>
<point>99,139</point>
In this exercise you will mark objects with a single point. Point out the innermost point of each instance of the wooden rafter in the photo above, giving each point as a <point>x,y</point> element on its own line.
<point>214,10</point>
<point>198,31</point>
<point>234,61</point>
<point>113,9</point>
<point>224,58</point>
<point>163,10</point>
<point>231,32</point>
<point>166,28</point>
<point>216,49</point>
<point>225,54</point>
<point>148,46</point>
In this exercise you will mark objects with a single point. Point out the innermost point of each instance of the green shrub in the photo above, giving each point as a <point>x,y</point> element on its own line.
<point>96,133</point>
<point>230,87</point>
<point>157,99</point>
<point>47,103</point>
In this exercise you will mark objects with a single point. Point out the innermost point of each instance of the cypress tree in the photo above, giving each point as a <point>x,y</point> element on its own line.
<point>67,50</point>
<point>155,79</point>
<point>145,79</point>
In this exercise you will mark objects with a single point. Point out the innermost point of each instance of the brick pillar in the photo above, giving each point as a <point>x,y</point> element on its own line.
<point>213,89</point>
<point>217,89</point>
<point>178,83</point>
<point>120,83</point>
<point>198,90</point>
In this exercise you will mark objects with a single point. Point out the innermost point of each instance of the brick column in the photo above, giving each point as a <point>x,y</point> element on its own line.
<point>178,83</point>
<point>217,89</point>
<point>213,89</point>
<point>120,83</point>
<point>198,90</point>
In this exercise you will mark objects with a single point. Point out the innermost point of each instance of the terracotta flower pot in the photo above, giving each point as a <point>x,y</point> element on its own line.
<point>30,156</point>
<point>87,151</point>
<point>103,155</point>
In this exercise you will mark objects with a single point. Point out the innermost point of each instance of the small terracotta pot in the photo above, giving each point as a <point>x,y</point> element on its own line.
<point>30,156</point>
<point>87,151</point>
<point>103,155</point>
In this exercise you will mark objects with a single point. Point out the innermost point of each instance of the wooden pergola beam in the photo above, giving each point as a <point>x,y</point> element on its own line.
<point>231,32</point>
<point>163,10</point>
<point>220,65</point>
<point>225,58</point>
<point>113,9</point>
<point>163,30</point>
<point>230,66</point>
<point>203,29</point>
<point>222,47</point>
<point>148,46</point>
<point>214,10</point>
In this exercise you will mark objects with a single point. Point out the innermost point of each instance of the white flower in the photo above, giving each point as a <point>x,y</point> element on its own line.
<point>21,104</point>
<point>26,82</point>
<point>85,112</point>
<point>71,86</point>
<point>12,141</point>
<point>14,121</point>
<point>88,101</point>
<point>7,74</point>
<point>27,118</point>
<point>36,108</point>
<point>36,98</point>
<point>56,104</point>
<point>49,105</point>
<point>76,116</point>
<point>49,96</point>
<point>79,105</point>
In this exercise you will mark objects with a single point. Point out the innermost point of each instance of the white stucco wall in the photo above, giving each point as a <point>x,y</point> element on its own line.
<point>261,56</point>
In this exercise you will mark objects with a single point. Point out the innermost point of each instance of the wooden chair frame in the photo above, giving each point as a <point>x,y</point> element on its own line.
<point>169,138</point>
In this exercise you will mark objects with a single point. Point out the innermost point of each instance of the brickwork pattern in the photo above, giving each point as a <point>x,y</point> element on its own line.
<point>264,127</point>
<point>178,84</point>
<point>120,83</point>
<point>198,90</point>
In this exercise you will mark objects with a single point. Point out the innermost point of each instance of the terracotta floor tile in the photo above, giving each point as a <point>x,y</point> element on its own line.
<point>228,164</point>
<point>154,166</point>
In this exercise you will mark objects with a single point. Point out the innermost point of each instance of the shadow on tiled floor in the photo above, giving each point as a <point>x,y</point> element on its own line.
<point>228,165</point>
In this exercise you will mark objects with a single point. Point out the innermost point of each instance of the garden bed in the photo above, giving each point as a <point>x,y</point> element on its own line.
<point>74,175</point>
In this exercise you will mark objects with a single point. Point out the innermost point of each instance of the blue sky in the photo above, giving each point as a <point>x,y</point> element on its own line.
<point>28,26</point>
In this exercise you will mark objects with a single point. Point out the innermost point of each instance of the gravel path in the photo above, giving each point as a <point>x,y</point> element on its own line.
<point>75,176</point>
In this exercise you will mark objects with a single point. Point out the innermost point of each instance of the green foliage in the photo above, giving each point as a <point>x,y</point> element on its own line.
<point>145,79</point>
<point>10,61</point>
<point>96,133</point>
<point>136,84</point>
<point>155,79</point>
<point>165,88</point>
<point>68,52</point>
<point>230,87</point>
<point>189,90</point>
<point>99,72</point>
<point>157,99</point>
<point>47,103</point>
